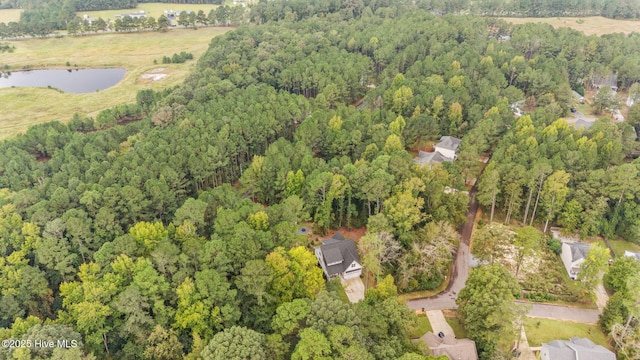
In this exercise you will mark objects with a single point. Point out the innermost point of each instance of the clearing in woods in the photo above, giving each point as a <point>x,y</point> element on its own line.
<point>9,15</point>
<point>135,52</point>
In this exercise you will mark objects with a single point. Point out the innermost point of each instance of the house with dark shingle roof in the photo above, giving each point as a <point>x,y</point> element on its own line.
<point>338,256</point>
<point>573,255</point>
<point>456,349</point>
<point>445,150</point>
<point>575,349</point>
<point>425,158</point>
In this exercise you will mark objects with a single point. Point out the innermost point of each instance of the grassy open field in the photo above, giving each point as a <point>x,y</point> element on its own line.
<point>9,15</point>
<point>545,330</point>
<point>595,25</point>
<point>134,52</point>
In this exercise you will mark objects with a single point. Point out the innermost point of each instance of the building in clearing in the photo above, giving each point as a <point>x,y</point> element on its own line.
<point>338,256</point>
<point>445,150</point>
<point>573,255</point>
<point>448,146</point>
<point>135,15</point>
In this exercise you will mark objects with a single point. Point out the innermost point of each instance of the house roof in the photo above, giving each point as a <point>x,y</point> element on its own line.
<point>430,157</point>
<point>632,254</point>
<point>449,143</point>
<point>583,123</point>
<point>606,80</point>
<point>575,349</point>
<point>463,349</point>
<point>338,253</point>
<point>579,250</point>
<point>577,94</point>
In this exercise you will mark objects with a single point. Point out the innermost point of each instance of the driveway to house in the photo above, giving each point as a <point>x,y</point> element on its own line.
<point>439,324</point>
<point>354,289</point>
<point>460,273</point>
<point>566,313</point>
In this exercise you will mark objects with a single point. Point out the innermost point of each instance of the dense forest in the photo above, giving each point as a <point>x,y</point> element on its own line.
<point>88,5</point>
<point>617,9</point>
<point>165,228</point>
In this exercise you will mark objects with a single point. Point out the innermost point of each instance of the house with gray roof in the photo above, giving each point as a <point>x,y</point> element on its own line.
<point>575,349</point>
<point>449,346</point>
<point>632,254</point>
<point>428,158</point>
<point>448,146</point>
<point>338,256</point>
<point>445,150</point>
<point>573,255</point>
<point>599,81</point>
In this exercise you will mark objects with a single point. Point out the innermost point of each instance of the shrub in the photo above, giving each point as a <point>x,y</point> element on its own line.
<point>540,297</point>
<point>555,245</point>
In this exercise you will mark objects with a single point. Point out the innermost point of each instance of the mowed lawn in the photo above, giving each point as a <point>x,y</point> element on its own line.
<point>595,25</point>
<point>135,52</point>
<point>544,330</point>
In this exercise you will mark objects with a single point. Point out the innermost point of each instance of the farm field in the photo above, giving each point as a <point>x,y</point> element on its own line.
<point>135,52</point>
<point>595,25</point>
<point>9,15</point>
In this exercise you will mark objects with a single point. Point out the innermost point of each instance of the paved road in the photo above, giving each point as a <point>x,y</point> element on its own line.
<point>460,273</point>
<point>559,312</point>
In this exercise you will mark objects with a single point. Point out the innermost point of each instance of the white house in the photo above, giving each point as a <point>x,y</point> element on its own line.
<point>448,146</point>
<point>576,348</point>
<point>632,254</point>
<point>338,257</point>
<point>573,255</point>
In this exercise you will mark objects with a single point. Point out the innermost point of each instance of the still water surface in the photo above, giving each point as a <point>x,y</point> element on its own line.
<point>72,81</point>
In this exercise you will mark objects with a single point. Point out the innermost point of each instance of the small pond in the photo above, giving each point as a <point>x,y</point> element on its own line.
<point>78,81</point>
